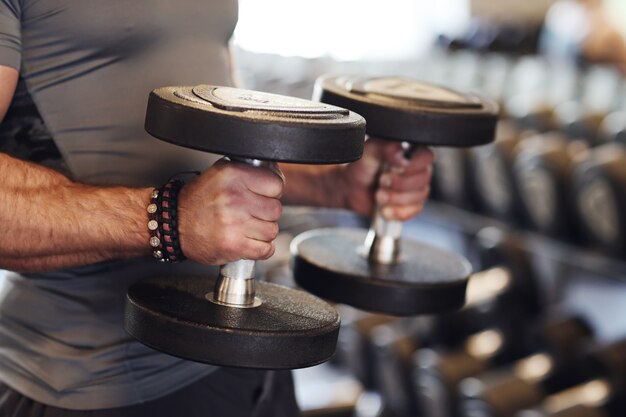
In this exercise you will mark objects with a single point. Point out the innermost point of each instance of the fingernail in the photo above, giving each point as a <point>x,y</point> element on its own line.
<point>385,180</point>
<point>400,159</point>
<point>387,212</point>
<point>382,197</point>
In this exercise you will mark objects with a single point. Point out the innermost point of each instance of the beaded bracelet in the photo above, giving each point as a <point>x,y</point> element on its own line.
<point>153,225</point>
<point>163,222</point>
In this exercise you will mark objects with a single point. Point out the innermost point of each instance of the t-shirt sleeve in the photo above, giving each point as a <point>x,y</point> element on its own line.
<point>10,33</point>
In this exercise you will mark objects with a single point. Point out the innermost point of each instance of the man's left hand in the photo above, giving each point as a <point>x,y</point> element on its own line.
<point>401,191</point>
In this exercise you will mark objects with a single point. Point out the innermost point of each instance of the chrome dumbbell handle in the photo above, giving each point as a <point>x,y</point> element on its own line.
<point>382,244</point>
<point>235,285</point>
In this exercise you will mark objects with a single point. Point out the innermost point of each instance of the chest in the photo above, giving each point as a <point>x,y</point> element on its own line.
<point>105,25</point>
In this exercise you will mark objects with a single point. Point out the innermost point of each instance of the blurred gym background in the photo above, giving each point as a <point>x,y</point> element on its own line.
<point>541,213</point>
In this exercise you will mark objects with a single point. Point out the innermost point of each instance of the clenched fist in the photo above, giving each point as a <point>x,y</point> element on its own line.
<point>230,212</point>
<point>402,191</point>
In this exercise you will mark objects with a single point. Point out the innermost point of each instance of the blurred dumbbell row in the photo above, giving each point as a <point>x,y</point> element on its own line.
<point>558,166</point>
<point>546,182</point>
<point>505,354</point>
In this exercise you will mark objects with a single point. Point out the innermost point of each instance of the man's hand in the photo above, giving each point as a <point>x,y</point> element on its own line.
<point>230,212</point>
<point>401,192</point>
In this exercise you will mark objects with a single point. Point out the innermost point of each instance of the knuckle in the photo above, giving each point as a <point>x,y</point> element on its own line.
<point>222,217</point>
<point>229,243</point>
<point>273,231</point>
<point>275,186</point>
<point>275,209</point>
<point>264,251</point>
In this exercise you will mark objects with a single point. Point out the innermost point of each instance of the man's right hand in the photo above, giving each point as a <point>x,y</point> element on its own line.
<point>230,212</point>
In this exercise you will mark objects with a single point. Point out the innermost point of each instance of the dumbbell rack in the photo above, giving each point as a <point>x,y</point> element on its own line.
<point>572,278</point>
<point>566,271</point>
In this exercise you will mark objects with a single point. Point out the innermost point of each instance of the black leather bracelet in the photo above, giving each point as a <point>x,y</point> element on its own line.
<point>167,213</point>
<point>163,220</point>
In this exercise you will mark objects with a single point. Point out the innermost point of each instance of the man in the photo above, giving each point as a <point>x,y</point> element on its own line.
<point>583,31</point>
<point>77,75</point>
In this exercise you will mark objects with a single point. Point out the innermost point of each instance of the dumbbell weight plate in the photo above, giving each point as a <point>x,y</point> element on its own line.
<point>613,128</point>
<point>493,175</point>
<point>252,124</point>
<point>402,109</point>
<point>452,177</point>
<point>331,264</point>
<point>600,190</point>
<point>289,329</point>
<point>543,168</point>
<point>425,280</point>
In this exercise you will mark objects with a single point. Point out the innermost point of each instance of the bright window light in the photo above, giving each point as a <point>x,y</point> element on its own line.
<point>347,29</point>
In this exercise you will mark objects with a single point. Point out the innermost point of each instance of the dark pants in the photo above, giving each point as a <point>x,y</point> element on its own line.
<point>225,393</point>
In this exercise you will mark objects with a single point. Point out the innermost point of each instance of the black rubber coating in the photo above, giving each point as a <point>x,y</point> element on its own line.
<point>425,280</point>
<point>599,186</point>
<point>250,124</point>
<point>290,329</point>
<point>402,109</point>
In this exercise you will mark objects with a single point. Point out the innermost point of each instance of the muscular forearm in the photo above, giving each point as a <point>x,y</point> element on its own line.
<point>56,262</point>
<point>313,185</point>
<point>51,222</point>
<point>359,186</point>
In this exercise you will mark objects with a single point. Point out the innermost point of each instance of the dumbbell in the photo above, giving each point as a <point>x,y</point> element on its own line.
<point>524,383</point>
<point>393,345</point>
<point>582,117</point>
<point>530,112</point>
<point>603,394</point>
<point>543,175</point>
<point>504,294</point>
<point>354,345</point>
<point>452,178</point>
<point>231,320</point>
<point>491,299</point>
<point>496,190</point>
<point>439,372</point>
<point>377,270</point>
<point>599,186</point>
<point>576,122</point>
<point>613,128</point>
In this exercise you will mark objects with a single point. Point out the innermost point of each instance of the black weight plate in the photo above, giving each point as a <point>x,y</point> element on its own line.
<point>600,198</point>
<point>403,109</point>
<point>290,329</point>
<point>541,174</point>
<point>251,124</point>
<point>426,280</point>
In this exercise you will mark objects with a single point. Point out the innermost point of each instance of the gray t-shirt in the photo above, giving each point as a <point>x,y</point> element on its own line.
<point>87,67</point>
